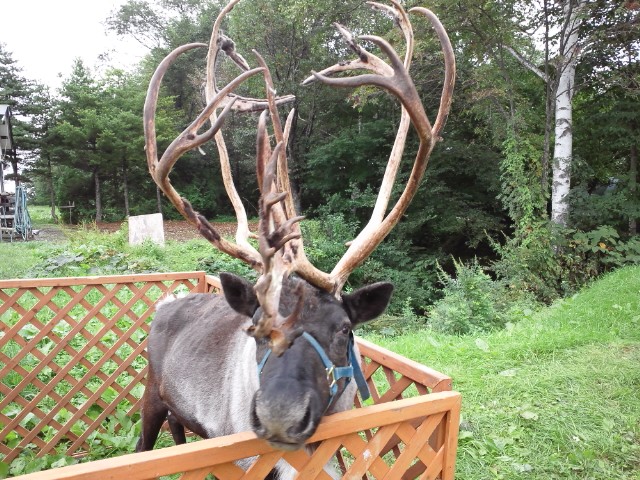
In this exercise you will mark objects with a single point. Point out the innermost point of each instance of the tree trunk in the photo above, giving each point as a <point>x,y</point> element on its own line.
<point>563,151</point>
<point>633,187</point>
<point>125,187</point>
<point>52,193</point>
<point>159,199</point>
<point>548,107</point>
<point>96,178</point>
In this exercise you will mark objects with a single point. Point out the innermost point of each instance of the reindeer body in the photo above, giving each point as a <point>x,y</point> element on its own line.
<point>203,366</point>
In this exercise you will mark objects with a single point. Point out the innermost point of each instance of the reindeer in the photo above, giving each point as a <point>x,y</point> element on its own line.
<point>276,356</point>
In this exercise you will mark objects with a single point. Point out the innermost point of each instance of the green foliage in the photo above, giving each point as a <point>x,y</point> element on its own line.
<point>393,261</point>
<point>549,262</point>
<point>591,253</point>
<point>216,262</point>
<point>522,193</point>
<point>528,262</point>
<point>325,239</point>
<point>90,252</point>
<point>119,436</point>
<point>472,302</point>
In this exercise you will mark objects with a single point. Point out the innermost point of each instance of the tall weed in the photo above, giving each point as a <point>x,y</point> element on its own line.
<point>471,302</point>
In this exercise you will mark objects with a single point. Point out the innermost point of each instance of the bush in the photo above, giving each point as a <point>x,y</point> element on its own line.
<point>218,262</point>
<point>471,302</point>
<point>528,262</point>
<point>393,261</point>
<point>549,262</point>
<point>325,238</point>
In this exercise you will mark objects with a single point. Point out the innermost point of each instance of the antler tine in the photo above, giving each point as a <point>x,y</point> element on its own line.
<point>220,42</point>
<point>275,233</point>
<point>279,226</point>
<point>188,140</point>
<point>263,149</point>
<point>396,80</point>
<point>449,69</point>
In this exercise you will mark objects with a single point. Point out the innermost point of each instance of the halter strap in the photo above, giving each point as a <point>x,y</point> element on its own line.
<point>334,373</point>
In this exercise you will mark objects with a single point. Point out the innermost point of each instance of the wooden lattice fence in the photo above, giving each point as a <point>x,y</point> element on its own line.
<point>72,354</point>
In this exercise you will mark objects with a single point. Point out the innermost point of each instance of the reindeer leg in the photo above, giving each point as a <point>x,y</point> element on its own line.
<point>177,429</point>
<point>154,413</point>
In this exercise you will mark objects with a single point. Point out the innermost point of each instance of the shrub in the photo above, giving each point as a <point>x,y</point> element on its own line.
<point>528,262</point>
<point>217,262</point>
<point>393,261</point>
<point>548,261</point>
<point>470,302</point>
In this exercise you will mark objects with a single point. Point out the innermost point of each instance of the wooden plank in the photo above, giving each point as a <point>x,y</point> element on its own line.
<point>195,455</point>
<point>226,471</point>
<point>413,446</point>
<point>313,468</point>
<point>371,454</point>
<point>72,281</point>
<point>384,414</point>
<point>433,470</point>
<point>451,440</point>
<point>357,446</point>
<point>199,474</point>
<point>213,283</point>
<point>427,376</point>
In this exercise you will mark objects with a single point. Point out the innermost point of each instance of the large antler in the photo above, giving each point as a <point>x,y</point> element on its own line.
<point>188,140</point>
<point>279,231</point>
<point>280,251</point>
<point>393,77</point>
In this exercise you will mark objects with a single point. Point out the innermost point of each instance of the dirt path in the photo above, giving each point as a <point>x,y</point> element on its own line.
<point>173,230</point>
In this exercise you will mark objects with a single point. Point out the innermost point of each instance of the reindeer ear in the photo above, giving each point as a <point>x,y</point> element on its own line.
<point>239,294</point>
<point>368,302</point>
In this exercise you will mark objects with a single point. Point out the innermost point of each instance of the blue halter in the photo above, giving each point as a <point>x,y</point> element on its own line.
<point>334,373</point>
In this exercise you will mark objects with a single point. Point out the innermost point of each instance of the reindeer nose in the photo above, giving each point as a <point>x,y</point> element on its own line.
<point>283,419</point>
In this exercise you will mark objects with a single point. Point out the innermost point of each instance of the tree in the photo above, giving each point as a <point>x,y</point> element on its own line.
<point>40,167</point>
<point>22,96</point>
<point>578,28</point>
<point>80,128</point>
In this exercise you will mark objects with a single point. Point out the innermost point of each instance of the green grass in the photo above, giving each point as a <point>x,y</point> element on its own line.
<point>17,258</point>
<point>41,215</point>
<point>556,395</point>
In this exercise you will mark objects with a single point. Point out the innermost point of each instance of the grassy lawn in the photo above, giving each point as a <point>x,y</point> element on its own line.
<point>556,395</point>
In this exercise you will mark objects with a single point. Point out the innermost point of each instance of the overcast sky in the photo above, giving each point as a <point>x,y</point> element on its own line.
<point>45,36</point>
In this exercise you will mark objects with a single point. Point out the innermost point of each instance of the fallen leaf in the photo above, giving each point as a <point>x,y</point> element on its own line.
<point>482,345</point>
<point>527,415</point>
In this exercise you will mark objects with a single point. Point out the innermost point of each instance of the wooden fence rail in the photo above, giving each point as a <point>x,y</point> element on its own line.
<point>72,353</point>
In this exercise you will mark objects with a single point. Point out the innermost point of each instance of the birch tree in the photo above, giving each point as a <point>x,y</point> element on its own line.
<point>562,88</point>
<point>568,57</point>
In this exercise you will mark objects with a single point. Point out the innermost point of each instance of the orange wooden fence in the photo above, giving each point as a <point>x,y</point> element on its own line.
<point>72,353</point>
